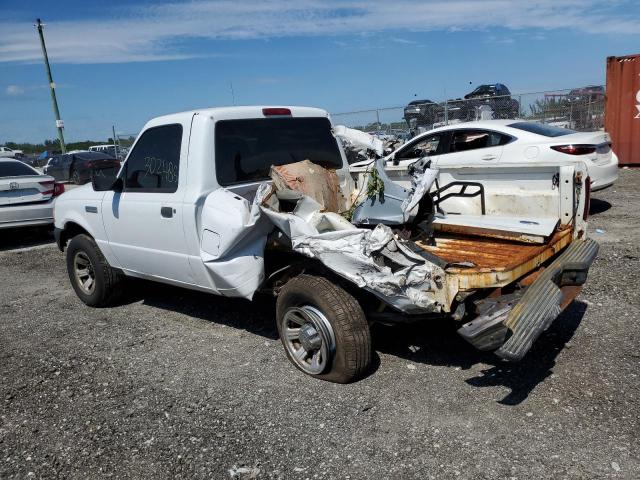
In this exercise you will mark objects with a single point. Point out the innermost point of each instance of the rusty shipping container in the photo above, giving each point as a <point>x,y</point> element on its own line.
<point>622,108</point>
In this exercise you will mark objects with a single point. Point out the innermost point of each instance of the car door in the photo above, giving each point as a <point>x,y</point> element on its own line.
<point>425,146</point>
<point>144,222</point>
<point>469,147</point>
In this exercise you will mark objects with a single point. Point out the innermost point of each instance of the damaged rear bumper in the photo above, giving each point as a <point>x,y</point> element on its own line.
<point>514,327</point>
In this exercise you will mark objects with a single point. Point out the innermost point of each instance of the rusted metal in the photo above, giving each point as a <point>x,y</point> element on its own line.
<point>530,278</point>
<point>487,232</point>
<point>569,294</point>
<point>543,301</point>
<point>496,262</point>
<point>622,108</point>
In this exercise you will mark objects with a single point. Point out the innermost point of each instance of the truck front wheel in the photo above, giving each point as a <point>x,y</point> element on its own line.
<point>323,329</point>
<point>92,278</point>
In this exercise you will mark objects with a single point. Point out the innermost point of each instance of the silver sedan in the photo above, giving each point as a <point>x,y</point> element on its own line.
<point>26,196</point>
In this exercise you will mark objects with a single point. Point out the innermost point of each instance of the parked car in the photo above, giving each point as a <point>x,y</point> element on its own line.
<point>222,200</point>
<point>26,196</point>
<point>507,142</point>
<point>6,152</point>
<point>76,167</point>
<point>494,97</point>
<point>591,93</point>
<point>420,112</point>
<point>497,97</point>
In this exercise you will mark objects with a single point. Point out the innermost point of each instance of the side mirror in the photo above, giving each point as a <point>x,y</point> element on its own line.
<point>105,179</point>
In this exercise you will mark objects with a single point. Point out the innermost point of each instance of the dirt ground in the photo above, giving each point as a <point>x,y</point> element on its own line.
<point>181,384</point>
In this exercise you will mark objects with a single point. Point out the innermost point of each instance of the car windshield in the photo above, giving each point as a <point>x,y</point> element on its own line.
<point>484,90</point>
<point>246,149</point>
<point>15,169</point>
<point>542,129</point>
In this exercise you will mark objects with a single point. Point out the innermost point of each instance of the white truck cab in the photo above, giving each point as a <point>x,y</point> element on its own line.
<point>194,205</point>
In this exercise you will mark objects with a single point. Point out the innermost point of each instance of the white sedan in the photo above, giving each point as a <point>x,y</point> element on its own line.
<point>26,196</point>
<point>504,142</point>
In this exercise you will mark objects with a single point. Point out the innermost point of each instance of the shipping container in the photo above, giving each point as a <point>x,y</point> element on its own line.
<point>622,108</point>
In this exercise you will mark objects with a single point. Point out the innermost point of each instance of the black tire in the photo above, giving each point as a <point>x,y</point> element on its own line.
<point>352,355</point>
<point>107,287</point>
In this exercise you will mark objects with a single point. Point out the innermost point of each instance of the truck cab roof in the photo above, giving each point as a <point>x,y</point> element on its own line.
<point>238,112</point>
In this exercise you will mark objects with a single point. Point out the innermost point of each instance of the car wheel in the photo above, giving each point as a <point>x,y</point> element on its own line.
<point>92,278</point>
<point>323,329</point>
<point>75,177</point>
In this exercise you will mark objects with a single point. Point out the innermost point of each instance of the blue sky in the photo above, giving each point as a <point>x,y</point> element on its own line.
<point>123,62</point>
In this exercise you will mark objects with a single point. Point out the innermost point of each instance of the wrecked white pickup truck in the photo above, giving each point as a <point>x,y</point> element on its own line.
<point>245,199</point>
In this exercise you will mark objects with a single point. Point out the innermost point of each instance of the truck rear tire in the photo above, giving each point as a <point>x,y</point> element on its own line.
<point>92,278</point>
<point>323,329</point>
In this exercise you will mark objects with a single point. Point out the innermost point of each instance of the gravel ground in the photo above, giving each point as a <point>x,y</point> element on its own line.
<point>180,384</point>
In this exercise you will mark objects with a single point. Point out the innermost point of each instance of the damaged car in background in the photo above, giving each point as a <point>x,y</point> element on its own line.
<point>240,200</point>
<point>501,142</point>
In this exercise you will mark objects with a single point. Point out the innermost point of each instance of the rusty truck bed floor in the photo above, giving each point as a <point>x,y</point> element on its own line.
<point>496,262</point>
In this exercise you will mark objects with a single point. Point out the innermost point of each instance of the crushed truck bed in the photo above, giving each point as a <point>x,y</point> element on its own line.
<point>492,262</point>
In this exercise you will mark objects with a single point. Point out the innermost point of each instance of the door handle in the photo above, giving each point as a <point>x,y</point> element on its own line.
<point>166,212</point>
<point>489,157</point>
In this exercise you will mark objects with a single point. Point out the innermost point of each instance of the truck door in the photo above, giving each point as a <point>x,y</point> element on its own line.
<point>144,222</point>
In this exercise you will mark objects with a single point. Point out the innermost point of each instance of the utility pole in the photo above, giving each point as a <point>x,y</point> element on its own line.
<point>233,95</point>
<point>115,142</point>
<point>52,87</point>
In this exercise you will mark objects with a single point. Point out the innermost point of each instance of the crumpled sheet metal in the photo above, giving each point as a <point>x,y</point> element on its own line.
<point>421,185</point>
<point>372,259</point>
<point>358,139</point>
<point>397,205</point>
<point>321,184</point>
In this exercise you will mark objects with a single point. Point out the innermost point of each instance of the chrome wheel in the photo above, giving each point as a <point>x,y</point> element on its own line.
<point>309,338</point>
<point>84,272</point>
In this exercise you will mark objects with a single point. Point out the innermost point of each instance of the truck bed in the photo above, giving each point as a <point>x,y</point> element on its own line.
<point>496,262</point>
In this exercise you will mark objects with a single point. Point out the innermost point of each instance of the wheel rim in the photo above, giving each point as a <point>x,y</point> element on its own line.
<point>75,177</point>
<point>309,338</point>
<point>84,272</point>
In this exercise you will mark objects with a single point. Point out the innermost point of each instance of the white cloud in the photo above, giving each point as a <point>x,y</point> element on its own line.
<point>159,32</point>
<point>402,41</point>
<point>14,90</point>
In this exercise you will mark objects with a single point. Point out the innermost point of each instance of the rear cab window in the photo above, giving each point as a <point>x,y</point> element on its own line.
<point>245,149</point>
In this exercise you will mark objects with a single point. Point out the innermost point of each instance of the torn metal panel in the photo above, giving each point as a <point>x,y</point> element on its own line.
<point>395,205</point>
<point>358,139</point>
<point>233,234</point>
<point>375,260</point>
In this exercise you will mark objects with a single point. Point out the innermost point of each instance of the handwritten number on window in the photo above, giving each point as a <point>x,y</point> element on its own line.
<point>166,170</point>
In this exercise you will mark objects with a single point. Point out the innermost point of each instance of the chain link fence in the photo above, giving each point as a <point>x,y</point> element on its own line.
<point>580,109</point>
<point>124,141</point>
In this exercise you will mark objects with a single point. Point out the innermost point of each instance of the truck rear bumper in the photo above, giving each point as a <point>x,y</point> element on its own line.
<point>521,322</point>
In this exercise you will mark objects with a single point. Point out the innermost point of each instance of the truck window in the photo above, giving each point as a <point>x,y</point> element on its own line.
<point>246,149</point>
<point>154,163</point>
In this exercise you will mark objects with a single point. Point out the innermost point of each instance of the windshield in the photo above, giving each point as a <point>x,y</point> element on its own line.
<point>246,149</point>
<point>542,129</point>
<point>484,90</point>
<point>15,169</point>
